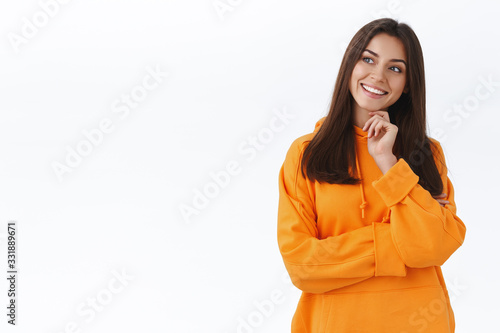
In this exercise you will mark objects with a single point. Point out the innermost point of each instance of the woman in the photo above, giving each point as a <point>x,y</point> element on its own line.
<point>366,210</point>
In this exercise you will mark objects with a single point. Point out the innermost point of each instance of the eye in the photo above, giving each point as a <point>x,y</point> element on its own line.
<point>396,69</point>
<point>367,60</point>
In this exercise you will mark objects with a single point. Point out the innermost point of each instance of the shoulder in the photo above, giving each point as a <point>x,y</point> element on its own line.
<point>436,147</point>
<point>299,145</point>
<point>294,181</point>
<point>293,160</point>
<point>296,149</point>
<point>301,142</point>
<point>438,154</point>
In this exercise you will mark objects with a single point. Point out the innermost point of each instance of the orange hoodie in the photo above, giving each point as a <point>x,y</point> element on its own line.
<point>367,257</point>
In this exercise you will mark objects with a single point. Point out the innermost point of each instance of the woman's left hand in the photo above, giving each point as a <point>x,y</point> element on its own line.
<point>381,134</point>
<point>442,202</point>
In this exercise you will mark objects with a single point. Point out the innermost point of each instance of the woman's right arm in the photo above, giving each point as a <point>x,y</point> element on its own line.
<point>319,265</point>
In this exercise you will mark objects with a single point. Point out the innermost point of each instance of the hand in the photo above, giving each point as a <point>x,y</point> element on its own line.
<point>381,134</point>
<point>441,201</point>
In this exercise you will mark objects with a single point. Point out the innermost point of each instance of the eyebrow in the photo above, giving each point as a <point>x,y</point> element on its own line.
<point>395,60</point>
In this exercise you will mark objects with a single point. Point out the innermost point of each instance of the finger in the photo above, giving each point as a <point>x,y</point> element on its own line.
<point>443,202</point>
<point>377,126</point>
<point>383,114</point>
<point>370,121</point>
<point>372,126</point>
<point>380,112</point>
<point>374,129</point>
<point>368,124</point>
<point>440,201</point>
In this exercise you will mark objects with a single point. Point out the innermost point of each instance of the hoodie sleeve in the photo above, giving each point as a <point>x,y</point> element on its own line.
<point>319,265</point>
<point>424,232</point>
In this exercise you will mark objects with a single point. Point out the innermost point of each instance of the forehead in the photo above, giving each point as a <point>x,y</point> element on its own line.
<point>387,47</point>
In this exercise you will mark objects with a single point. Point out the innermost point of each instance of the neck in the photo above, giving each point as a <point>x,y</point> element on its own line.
<point>361,115</point>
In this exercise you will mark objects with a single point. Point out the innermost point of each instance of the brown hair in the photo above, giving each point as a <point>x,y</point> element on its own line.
<point>331,152</point>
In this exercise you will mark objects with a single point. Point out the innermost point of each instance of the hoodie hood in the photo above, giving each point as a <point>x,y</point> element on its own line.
<point>361,138</point>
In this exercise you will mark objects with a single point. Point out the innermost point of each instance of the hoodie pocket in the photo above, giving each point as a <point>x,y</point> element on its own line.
<point>412,310</point>
<point>311,313</point>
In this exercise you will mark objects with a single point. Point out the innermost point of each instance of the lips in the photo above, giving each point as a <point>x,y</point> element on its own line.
<point>373,89</point>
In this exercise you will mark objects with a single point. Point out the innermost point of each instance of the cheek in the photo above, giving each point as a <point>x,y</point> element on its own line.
<point>357,71</point>
<point>355,76</point>
<point>399,84</point>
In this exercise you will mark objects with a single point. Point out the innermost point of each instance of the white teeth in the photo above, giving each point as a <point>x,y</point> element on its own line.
<point>373,90</point>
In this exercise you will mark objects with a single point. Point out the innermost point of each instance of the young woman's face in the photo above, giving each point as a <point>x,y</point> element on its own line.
<point>379,77</point>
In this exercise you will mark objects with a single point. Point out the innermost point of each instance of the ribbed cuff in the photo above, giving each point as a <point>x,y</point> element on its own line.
<point>387,260</point>
<point>396,183</point>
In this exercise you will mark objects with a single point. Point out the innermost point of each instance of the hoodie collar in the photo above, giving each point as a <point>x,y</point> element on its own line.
<point>361,136</point>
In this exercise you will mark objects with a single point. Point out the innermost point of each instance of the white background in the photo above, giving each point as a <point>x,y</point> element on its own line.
<point>118,210</point>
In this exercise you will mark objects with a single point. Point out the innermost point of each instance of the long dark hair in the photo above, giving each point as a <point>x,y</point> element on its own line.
<point>331,152</point>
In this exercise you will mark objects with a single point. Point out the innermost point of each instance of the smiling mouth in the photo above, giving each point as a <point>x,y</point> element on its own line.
<point>373,90</point>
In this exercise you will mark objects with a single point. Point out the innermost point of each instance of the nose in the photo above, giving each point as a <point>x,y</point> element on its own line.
<point>377,73</point>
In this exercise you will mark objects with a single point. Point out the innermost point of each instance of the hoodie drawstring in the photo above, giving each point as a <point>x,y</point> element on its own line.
<point>364,203</point>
